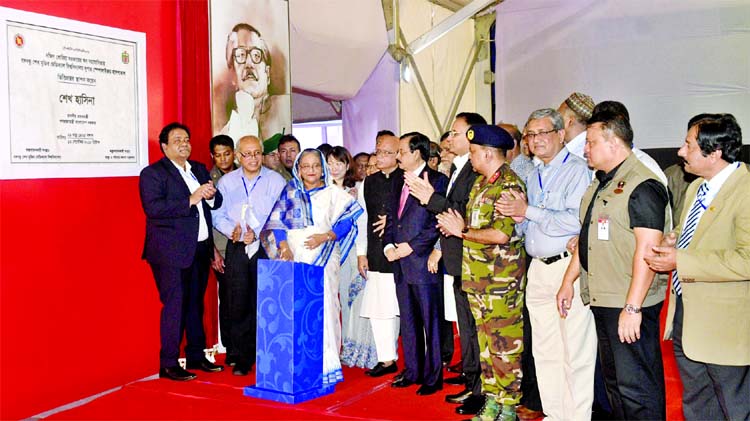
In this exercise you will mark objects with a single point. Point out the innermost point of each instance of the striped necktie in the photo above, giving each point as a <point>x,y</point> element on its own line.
<point>691,223</point>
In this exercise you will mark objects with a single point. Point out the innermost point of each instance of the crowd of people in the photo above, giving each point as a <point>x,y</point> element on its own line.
<point>552,247</point>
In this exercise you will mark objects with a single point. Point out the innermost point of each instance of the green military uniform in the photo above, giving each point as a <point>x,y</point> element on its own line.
<point>493,277</point>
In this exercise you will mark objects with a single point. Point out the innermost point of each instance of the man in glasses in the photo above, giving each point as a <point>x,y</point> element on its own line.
<point>253,111</point>
<point>249,195</point>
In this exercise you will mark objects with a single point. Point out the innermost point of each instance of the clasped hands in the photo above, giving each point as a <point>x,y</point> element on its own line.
<point>400,251</point>
<point>512,203</point>
<point>247,238</point>
<point>205,191</point>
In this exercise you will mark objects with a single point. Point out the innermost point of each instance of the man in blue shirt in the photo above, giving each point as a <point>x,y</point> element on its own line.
<point>564,349</point>
<point>249,195</point>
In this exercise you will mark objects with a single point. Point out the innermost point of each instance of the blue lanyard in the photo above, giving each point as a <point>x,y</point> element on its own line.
<point>552,178</point>
<point>247,194</point>
<point>539,172</point>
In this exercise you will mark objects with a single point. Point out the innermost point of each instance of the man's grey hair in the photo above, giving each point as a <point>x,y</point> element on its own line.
<point>552,114</point>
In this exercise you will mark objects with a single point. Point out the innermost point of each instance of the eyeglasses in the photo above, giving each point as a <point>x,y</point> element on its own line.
<point>255,154</point>
<point>241,53</point>
<point>531,136</point>
<point>454,133</point>
<point>381,152</point>
<point>310,167</point>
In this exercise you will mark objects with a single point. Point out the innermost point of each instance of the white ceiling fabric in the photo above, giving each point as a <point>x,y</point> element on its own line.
<point>335,44</point>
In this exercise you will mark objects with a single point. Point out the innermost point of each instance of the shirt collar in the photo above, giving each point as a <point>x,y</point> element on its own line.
<point>715,183</point>
<point>419,170</point>
<point>556,161</point>
<point>460,161</point>
<point>187,166</point>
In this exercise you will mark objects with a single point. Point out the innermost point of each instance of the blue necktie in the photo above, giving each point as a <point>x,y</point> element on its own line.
<point>689,230</point>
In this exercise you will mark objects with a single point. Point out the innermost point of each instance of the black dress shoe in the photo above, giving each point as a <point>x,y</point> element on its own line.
<point>459,397</point>
<point>230,360</point>
<point>456,368</point>
<point>402,382</point>
<point>429,390</point>
<point>176,373</point>
<point>241,369</point>
<point>204,365</point>
<point>381,370</point>
<point>458,380</point>
<point>471,405</point>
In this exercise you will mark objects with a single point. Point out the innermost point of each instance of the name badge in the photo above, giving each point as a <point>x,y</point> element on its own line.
<point>603,228</point>
<point>475,218</point>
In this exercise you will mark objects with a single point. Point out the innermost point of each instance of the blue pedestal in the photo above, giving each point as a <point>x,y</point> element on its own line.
<point>289,360</point>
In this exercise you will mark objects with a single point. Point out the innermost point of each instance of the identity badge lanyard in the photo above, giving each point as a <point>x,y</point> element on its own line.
<point>244,216</point>
<point>553,177</point>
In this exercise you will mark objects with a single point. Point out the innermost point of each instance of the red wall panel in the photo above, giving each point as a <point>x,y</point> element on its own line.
<point>79,310</point>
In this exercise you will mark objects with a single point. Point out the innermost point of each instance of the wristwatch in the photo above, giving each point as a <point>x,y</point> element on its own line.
<point>629,308</point>
<point>464,232</point>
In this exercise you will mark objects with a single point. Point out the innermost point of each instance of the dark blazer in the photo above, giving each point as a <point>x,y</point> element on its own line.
<point>171,223</point>
<point>416,227</point>
<point>457,198</point>
<point>378,191</point>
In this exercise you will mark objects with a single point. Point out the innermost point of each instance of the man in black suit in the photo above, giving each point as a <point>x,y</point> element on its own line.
<point>177,196</point>
<point>461,182</point>
<point>410,236</point>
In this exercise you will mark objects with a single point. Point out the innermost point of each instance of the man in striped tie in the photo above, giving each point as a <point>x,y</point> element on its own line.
<point>709,254</point>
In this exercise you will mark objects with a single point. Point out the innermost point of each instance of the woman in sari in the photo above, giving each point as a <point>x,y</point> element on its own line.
<point>358,343</point>
<point>314,222</point>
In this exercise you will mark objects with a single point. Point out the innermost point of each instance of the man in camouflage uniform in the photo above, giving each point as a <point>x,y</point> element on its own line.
<point>493,271</point>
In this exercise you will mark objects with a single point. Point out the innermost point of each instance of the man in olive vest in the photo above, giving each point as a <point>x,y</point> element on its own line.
<point>623,215</point>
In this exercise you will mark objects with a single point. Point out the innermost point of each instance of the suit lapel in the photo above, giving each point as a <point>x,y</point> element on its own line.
<point>410,200</point>
<point>459,178</point>
<point>721,201</point>
<point>175,174</point>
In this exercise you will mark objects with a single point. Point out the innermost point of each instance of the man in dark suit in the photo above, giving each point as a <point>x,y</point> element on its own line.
<point>177,196</point>
<point>461,182</point>
<point>410,236</point>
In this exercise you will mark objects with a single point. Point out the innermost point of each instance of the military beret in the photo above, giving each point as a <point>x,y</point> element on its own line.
<point>489,135</point>
<point>271,144</point>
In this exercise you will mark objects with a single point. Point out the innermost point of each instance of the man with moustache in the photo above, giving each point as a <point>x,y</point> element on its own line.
<point>253,111</point>
<point>459,186</point>
<point>493,271</point>
<point>271,159</point>
<point>709,254</point>
<point>564,350</point>
<point>249,195</point>
<point>177,196</point>
<point>379,302</point>
<point>410,236</point>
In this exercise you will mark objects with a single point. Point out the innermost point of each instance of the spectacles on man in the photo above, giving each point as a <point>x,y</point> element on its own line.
<point>254,154</point>
<point>454,133</point>
<point>531,136</point>
<point>383,152</point>
<point>241,53</point>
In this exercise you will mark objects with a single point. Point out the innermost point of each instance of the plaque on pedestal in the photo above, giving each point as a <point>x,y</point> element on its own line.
<point>289,355</point>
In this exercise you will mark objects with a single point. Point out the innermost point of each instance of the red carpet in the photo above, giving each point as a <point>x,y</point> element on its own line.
<point>219,396</point>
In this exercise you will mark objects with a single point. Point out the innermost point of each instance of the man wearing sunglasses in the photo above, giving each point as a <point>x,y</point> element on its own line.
<point>253,111</point>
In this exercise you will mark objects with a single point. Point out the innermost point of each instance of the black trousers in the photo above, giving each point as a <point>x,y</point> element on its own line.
<point>181,292</point>
<point>420,307</point>
<point>710,391</point>
<point>633,373</point>
<point>469,343</point>
<point>241,275</point>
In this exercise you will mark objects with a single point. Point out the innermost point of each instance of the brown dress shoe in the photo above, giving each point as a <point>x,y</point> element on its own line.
<point>525,413</point>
